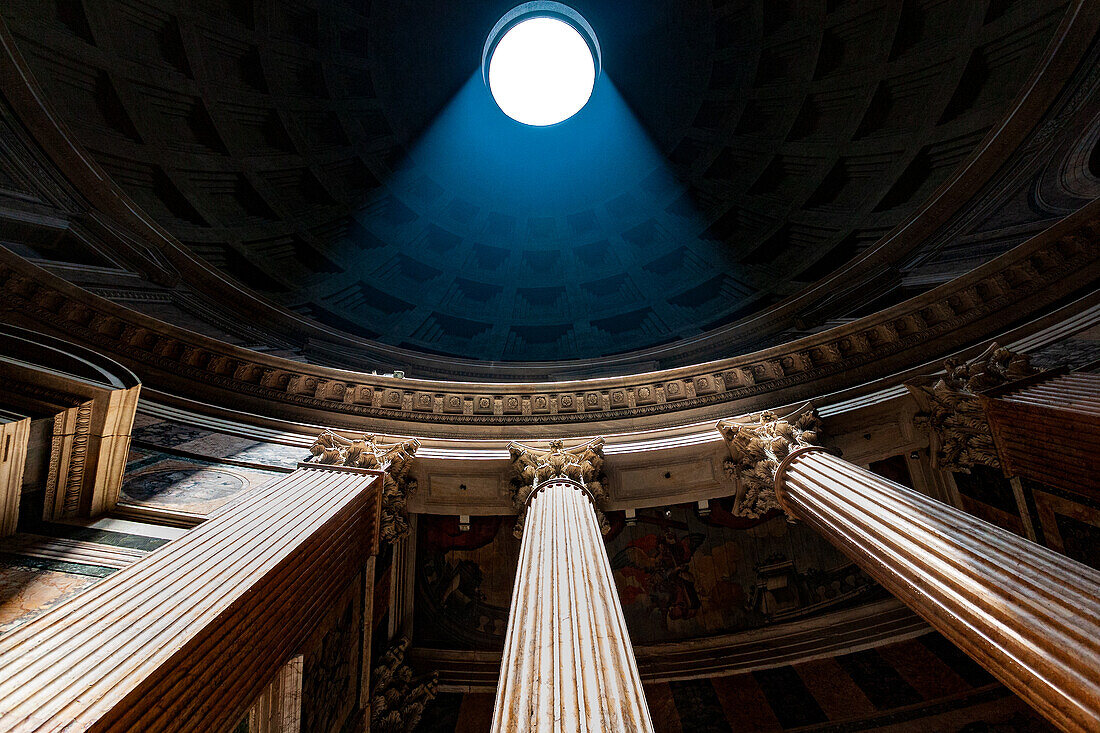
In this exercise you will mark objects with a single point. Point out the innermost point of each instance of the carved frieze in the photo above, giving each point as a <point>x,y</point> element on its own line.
<point>757,446</point>
<point>68,457</point>
<point>398,696</point>
<point>952,413</point>
<point>368,452</point>
<point>531,467</point>
<point>1053,263</point>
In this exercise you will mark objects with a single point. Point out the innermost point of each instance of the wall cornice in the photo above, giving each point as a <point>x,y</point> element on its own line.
<point>1022,283</point>
<point>864,627</point>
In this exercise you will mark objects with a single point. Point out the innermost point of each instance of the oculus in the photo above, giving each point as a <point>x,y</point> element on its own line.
<point>541,62</point>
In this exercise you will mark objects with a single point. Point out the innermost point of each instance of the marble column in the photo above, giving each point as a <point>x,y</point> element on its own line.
<point>188,637</point>
<point>1027,614</point>
<point>393,459</point>
<point>568,664</point>
<point>278,709</point>
<point>951,410</point>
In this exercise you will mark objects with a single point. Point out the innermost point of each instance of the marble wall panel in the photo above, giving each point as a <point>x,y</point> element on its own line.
<point>27,591</point>
<point>33,578</point>
<point>1073,351</point>
<point>152,431</point>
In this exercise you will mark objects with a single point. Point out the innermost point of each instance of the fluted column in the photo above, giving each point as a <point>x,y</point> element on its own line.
<point>1027,614</point>
<point>278,709</point>
<point>186,638</point>
<point>951,410</point>
<point>568,663</point>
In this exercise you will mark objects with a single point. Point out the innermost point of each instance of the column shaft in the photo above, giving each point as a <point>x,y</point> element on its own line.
<point>1027,614</point>
<point>187,637</point>
<point>568,664</point>
<point>279,707</point>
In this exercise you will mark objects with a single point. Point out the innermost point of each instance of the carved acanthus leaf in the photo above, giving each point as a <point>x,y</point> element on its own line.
<point>757,446</point>
<point>368,452</point>
<point>531,467</point>
<point>960,435</point>
<point>398,697</point>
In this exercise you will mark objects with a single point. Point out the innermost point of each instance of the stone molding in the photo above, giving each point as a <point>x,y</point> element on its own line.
<point>532,468</point>
<point>951,410</point>
<point>757,445</point>
<point>864,626</point>
<point>1031,276</point>
<point>92,402</point>
<point>15,432</point>
<point>68,454</point>
<point>368,452</point>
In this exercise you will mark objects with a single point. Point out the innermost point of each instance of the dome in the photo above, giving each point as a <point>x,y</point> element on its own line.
<point>741,177</point>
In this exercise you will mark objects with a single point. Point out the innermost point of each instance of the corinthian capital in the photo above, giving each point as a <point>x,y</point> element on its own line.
<point>757,445</point>
<point>959,433</point>
<point>531,467</point>
<point>368,452</point>
<point>398,696</point>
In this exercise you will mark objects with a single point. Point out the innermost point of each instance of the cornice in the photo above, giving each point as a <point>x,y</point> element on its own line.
<point>645,467</point>
<point>1072,318</point>
<point>864,627</point>
<point>1021,283</point>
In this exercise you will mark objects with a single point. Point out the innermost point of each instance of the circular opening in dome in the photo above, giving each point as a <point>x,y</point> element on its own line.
<point>541,62</point>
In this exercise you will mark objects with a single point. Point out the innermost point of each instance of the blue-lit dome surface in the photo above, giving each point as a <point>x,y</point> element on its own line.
<point>347,160</point>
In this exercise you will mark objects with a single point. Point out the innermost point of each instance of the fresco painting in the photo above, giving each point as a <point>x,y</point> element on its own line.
<point>682,576</point>
<point>679,575</point>
<point>464,581</point>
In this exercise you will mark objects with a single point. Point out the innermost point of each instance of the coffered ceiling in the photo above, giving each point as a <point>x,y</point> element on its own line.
<point>342,158</point>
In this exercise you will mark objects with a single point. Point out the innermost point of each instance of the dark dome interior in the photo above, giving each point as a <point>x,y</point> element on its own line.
<point>344,159</point>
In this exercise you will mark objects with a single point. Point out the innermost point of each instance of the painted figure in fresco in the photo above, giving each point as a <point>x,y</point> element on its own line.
<point>662,565</point>
<point>451,578</point>
<point>460,593</point>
